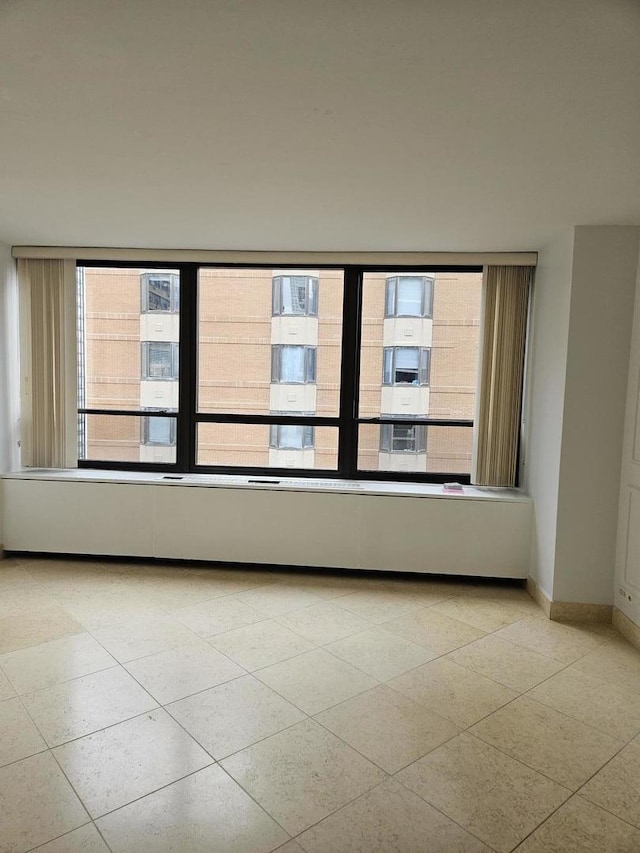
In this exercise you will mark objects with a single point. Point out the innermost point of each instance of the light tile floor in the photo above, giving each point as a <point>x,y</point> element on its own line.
<point>176,709</point>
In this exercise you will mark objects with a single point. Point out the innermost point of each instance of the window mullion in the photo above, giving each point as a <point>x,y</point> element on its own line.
<point>350,373</point>
<point>188,372</point>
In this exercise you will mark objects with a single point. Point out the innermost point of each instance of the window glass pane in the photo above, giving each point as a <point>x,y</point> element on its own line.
<point>390,300</point>
<point>116,438</point>
<point>443,383</point>
<point>292,364</point>
<point>114,336</point>
<point>410,290</point>
<point>160,431</point>
<point>418,449</point>
<point>255,445</point>
<point>248,318</point>
<point>158,294</point>
<point>160,362</point>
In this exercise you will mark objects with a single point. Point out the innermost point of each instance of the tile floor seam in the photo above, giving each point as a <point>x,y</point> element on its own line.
<point>291,702</point>
<point>66,680</point>
<point>443,813</point>
<point>212,763</point>
<point>249,745</point>
<point>608,811</point>
<point>68,832</point>
<point>372,760</point>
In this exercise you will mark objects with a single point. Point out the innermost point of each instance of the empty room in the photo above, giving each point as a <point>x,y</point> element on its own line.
<point>320,426</point>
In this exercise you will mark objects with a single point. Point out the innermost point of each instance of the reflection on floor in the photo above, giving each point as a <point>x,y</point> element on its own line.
<point>152,708</point>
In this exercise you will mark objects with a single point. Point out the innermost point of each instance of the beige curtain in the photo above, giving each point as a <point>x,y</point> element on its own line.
<point>506,301</point>
<point>47,365</point>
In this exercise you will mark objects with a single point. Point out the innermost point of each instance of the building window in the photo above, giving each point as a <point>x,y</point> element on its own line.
<point>159,360</point>
<point>159,431</point>
<point>403,438</point>
<point>295,294</point>
<point>291,437</point>
<point>405,366</point>
<point>212,397</point>
<point>409,296</point>
<point>160,292</point>
<point>293,365</point>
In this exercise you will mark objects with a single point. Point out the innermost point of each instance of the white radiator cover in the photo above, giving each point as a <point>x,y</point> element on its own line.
<point>356,530</point>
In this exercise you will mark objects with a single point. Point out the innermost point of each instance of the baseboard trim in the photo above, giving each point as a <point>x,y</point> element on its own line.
<point>627,627</point>
<point>569,611</point>
<point>539,597</point>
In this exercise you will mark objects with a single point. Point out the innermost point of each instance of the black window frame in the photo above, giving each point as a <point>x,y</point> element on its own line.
<point>348,422</point>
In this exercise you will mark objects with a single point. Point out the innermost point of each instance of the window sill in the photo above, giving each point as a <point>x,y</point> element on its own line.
<point>296,484</point>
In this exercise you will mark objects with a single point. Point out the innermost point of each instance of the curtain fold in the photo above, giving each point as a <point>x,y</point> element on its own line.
<point>506,302</point>
<point>46,332</point>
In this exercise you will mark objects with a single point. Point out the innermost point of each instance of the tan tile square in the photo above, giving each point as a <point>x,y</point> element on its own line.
<point>434,630</point>
<point>203,813</point>
<point>84,705</point>
<point>380,653</point>
<point>32,627</point>
<point>387,728</point>
<point>302,774</point>
<point>84,840</point>
<point>144,636</point>
<point>19,738</point>
<point>617,786</point>
<point>551,743</point>
<point>50,663</point>
<point>324,623</point>
<point>97,612</point>
<point>279,598</point>
<point>495,797</point>
<point>177,673</point>
<point>11,575</point>
<point>581,827</point>
<point>261,644</point>
<point>614,661</point>
<point>378,606</point>
<point>315,680</point>
<point>482,612</point>
<point>235,715</point>
<point>217,615</point>
<point>389,819</point>
<point>290,847</point>
<point>507,663</point>
<point>459,695</point>
<point>36,804</point>
<point>6,690</point>
<point>607,707</point>
<point>565,643</point>
<point>21,599</point>
<point>134,758</point>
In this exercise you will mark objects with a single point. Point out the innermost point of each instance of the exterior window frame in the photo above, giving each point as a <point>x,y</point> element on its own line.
<point>388,438</point>
<point>389,368</point>
<point>145,429</point>
<point>174,356</point>
<point>309,364</point>
<point>347,423</point>
<point>312,287</point>
<point>391,296</point>
<point>174,292</point>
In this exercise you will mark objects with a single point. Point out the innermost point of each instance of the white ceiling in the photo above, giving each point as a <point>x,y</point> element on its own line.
<point>317,124</point>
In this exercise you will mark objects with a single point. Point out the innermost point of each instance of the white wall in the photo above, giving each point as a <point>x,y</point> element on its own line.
<point>605,261</point>
<point>545,387</point>
<point>8,366</point>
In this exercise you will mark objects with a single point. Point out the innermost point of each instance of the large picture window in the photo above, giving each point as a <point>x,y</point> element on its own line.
<point>221,384</point>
